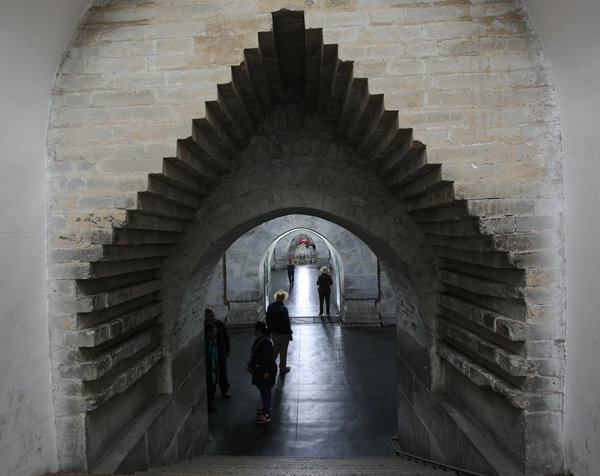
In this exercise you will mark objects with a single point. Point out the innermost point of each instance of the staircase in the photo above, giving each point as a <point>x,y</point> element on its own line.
<point>280,466</point>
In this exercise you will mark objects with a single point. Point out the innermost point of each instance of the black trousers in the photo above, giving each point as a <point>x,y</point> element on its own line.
<point>324,296</point>
<point>223,379</point>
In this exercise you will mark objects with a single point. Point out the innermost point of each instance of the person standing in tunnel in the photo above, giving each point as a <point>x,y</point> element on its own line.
<point>278,320</point>
<point>223,348</point>
<point>290,270</point>
<point>263,369</point>
<point>324,283</point>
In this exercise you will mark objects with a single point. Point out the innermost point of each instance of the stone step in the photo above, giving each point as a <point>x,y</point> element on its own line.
<point>158,205</point>
<point>513,309</point>
<point>115,328</point>
<point>353,107</point>
<point>410,152</point>
<point>192,157</point>
<point>442,195</point>
<point>428,179</point>
<point>236,111</point>
<point>312,67</point>
<point>510,276</point>
<point>143,220</point>
<point>342,78</point>
<point>488,259</point>
<point>209,140</point>
<point>270,63</point>
<point>125,252</point>
<point>484,350</point>
<point>124,236</point>
<point>244,87</point>
<point>181,176</point>
<point>171,191</point>
<point>366,124</point>
<point>218,118</point>
<point>256,72</point>
<point>329,61</point>
<point>505,327</point>
<point>271,466</point>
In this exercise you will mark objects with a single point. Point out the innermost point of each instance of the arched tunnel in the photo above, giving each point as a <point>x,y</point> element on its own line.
<point>295,141</point>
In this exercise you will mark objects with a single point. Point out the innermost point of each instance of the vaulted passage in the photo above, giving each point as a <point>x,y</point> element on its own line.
<point>295,132</point>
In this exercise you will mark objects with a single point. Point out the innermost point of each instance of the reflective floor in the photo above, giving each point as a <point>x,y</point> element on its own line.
<point>304,298</point>
<point>339,400</point>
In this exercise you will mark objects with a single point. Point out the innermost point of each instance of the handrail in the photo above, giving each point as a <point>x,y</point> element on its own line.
<point>434,464</point>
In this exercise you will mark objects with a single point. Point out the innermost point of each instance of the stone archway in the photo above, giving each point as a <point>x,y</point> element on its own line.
<point>481,281</point>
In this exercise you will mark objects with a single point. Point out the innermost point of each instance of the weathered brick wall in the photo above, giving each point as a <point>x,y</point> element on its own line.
<point>469,78</point>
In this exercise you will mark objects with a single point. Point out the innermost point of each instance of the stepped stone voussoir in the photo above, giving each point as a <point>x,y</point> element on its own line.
<point>512,364</point>
<point>94,369</point>
<point>482,377</point>
<point>492,321</point>
<point>124,252</point>
<point>478,285</point>
<point>146,237</point>
<point>126,379</point>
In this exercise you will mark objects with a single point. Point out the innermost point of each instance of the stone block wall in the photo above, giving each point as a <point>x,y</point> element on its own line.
<point>136,219</point>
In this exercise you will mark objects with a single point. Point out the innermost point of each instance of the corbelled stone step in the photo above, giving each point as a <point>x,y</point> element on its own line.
<point>367,123</point>
<point>170,190</point>
<point>342,78</point>
<point>180,175</point>
<point>245,89</point>
<point>486,351</point>
<point>356,101</point>
<point>329,61</point>
<point>505,327</point>
<point>313,39</point>
<point>271,466</point>
<point>257,74</point>
<point>408,151</point>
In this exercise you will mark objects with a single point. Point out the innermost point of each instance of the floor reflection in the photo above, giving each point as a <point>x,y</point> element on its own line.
<point>304,298</point>
<point>339,400</point>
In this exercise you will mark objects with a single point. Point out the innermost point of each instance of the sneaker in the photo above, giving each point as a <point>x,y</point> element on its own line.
<point>263,418</point>
<point>260,411</point>
<point>285,370</point>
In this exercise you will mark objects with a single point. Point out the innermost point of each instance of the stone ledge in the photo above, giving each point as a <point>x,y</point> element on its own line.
<point>513,364</point>
<point>483,377</point>
<point>93,337</point>
<point>126,379</point>
<point>510,329</point>
<point>94,369</point>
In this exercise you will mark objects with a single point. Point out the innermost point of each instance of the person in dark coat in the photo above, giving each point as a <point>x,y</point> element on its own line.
<point>223,348</point>
<point>263,369</point>
<point>291,267</point>
<point>324,283</point>
<point>278,321</point>
<point>212,363</point>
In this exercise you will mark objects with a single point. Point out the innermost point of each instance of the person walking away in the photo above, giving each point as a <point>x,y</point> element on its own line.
<point>263,369</point>
<point>324,283</point>
<point>212,363</point>
<point>223,348</point>
<point>291,267</point>
<point>278,321</point>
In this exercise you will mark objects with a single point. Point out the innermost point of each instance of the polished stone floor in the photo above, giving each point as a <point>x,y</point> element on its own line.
<point>304,298</point>
<point>339,400</point>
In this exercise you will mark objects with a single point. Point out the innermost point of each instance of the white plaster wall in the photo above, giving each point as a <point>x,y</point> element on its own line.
<point>33,37</point>
<point>570,34</point>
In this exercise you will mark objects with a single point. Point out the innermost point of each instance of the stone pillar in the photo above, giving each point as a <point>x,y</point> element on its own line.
<point>360,288</point>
